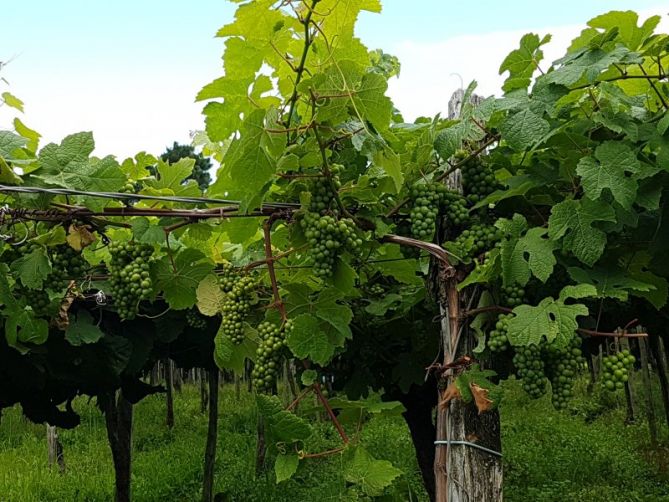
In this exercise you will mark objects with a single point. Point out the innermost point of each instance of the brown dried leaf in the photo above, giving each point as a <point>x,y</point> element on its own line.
<point>80,236</point>
<point>483,403</point>
<point>448,394</point>
<point>62,320</point>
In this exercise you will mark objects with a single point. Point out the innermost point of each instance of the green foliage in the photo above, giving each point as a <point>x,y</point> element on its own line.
<point>201,168</point>
<point>565,172</point>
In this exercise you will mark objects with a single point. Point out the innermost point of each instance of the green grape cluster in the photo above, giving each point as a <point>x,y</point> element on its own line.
<point>127,188</point>
<point>195,320</point>
<point>236,308</point>
<point>483,238</point>
<point>376,290</point>
<point>328,237</point>
<point>227,277</point>
<point>512,296</point>
<point>130,279</point>
<point>15,252</point>
<point>497,338</point>
<point>616,370</point>
<point>530,368</point>
<point>562,365</point>
<point>268,361</point>
<point>38,299</point>
<point>455,207</point>
<point>427,200</point>
<point>478,180</point>
<point>66,264</point>
<point>323,191</point>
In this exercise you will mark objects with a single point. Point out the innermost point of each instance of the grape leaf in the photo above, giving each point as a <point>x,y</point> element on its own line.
<point>147,232</point>
<point>572,220</point>
<point>308,377</point>
<point>521,63</point>
<point>31,135</point>
<point>523,129</point>
<point>21,327</point>
<point>285,466</point>
<point>610,282</point>
<point>13,101</point>
<point>530,254</point>
<point>371,474</point>
<point>232,356</point>
<point>552,319</point>
<point>308,340</point>
<point>609,169</point>
<point>248,163</point>
<point>179,282</point>
<point>282,425</point>
<point>83,330</point>
<point>639,270</point>
<point>209,296</point>
<point>32,268</point>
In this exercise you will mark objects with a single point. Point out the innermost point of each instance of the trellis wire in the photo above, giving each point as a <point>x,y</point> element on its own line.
<point>127,196</point>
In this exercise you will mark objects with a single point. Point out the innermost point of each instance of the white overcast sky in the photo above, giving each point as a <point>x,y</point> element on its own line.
<point>131,79</point>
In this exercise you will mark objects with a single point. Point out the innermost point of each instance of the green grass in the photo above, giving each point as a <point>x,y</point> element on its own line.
<point>586,455</point>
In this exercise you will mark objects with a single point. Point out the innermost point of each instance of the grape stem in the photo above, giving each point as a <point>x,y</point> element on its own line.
<point>333,417</point>
<point>269,258</point>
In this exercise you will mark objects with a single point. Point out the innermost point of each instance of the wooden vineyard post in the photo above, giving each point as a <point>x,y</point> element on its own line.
<point>204,396</point>
<point>169,395</point>
<point>118,419</point>
<point>659,354</point>
<point>55,448</point>
<point>463,472</point>
<point>212,435</point>
<point>645,374</point>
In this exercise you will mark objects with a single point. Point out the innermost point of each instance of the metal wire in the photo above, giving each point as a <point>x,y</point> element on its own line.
<point>127,196</point>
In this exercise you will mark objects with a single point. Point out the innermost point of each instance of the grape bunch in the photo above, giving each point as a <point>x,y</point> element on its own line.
<point>530,368</point>
<point>38,299</point>
<point>376,290</point>
<point>497,338</point>
<point>455,206</point>
<point>478,180</point>
<point>13,253</point>
<point>195,320</point>
<point>616,370</point>
<point>562,365</point>
<point>268,361</point>
<point>428,199</point>
<point>512,296</point>
<point>323,193</point>
<point>236,308</point>
<point>477,239</point>
<point>426,202</point>
<point>66,264</point>
<point>227,277</point>
<point>328,237</point>
<point>127,188</point>
<point>130,280</point>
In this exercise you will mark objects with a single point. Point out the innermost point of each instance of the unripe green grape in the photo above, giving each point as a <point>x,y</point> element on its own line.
<point>530,369</point>
<point>497,337</point>
<point>562,366</point>
<point>269,354</point>
<point>130,281</point>
<point>615,370</point>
